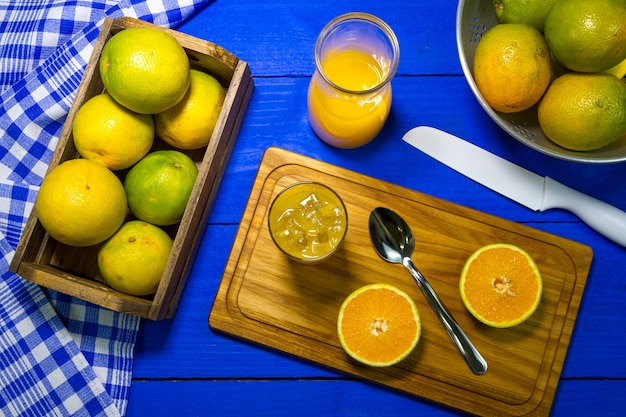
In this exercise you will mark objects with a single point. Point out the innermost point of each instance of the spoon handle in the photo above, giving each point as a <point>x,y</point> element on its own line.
<point>476,362</point>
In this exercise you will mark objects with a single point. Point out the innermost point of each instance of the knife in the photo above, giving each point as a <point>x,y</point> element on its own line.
<point>519,184</point>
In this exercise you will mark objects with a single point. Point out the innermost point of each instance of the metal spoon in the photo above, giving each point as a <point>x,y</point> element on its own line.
<point>393,240</point>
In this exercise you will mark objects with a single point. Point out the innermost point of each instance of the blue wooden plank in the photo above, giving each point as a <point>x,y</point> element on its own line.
<point>575,398</point>
<point>277,117</point>
<point>278,40</point>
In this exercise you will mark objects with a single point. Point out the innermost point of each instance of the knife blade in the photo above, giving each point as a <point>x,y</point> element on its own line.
<point>519,184</point>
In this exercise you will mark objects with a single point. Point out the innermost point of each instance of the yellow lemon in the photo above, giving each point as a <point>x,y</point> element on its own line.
<point>532,12</point>
<point>106,132</point>
<point>190,123</point>
<point>81,203</point>
<point>512,67</point>
<point>134,258</point>
<point>584,111</point>
<point>144,69</point>
<point>587,35</point>
<point>159,186</point>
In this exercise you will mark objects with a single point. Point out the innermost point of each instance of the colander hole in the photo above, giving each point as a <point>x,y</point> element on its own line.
<point>521,128</point>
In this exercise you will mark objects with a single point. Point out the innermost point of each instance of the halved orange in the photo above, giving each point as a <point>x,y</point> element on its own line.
<point>378,325</point>
<point>501,285</point>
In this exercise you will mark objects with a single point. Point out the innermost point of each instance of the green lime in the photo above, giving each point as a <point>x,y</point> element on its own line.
<point>158,187</point>
<point>531,12</point>
<point>587,35</point>
<point>584,111</point>
<point>134,258</point>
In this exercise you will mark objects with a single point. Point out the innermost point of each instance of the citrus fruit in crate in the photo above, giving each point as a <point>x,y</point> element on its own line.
<point>104,131</point>
<point>133,259</point>
<point>618,70</point>
<point>190,123</point>
<point>587,35</point>
<point>531,12</point>
<point>512,67</point>
<point>144,69</point>
<point>159,186</point>
<point>378,325</point>
<point>81,203</point>
<point>584,111</point>
<point>501,285</point>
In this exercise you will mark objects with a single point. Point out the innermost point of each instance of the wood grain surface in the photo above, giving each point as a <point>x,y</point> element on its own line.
<point>266,298</point>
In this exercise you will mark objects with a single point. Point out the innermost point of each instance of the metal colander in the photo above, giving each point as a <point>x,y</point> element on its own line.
<point>473,19</point>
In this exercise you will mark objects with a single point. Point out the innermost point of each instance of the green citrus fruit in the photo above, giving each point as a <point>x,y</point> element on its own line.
<point>512,67</point>
<point>531,12</point>
<point>159,186</point>
<point>587,35</point>
<point>81,203</point>
<point>144,69</point>
<point>134,258</point>
<point>109,133</point>
<point>190,123</point>
<point>584,111</point>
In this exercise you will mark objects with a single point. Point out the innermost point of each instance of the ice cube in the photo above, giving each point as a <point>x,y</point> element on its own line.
<point>318,241</point>
<point>309,205</point>
<point>290,230</point>
<point>330,218</point>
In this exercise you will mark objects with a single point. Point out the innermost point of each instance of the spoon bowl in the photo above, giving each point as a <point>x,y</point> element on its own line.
<point>393,240</point>
<point>391,236</point>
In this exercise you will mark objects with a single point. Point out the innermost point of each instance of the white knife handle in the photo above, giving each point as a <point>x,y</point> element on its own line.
<point>604,218</point>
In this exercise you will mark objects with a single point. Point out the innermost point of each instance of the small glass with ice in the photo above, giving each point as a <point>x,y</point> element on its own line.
<point>308,221</point>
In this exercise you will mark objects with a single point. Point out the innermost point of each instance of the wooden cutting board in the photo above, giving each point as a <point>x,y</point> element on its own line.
<point>265,298</point>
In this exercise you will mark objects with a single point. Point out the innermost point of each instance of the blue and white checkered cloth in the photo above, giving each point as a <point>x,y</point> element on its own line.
<point>59,356</point>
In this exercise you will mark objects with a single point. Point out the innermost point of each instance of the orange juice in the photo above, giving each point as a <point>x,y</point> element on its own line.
<point>308,221</point>
<point>353,114</point>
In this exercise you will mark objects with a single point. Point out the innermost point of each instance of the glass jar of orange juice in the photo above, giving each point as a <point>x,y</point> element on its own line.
<point>349,96</point>
<point>308,221</point>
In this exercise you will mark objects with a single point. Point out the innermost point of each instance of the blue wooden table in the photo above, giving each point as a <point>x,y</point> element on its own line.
<point>184,368</point>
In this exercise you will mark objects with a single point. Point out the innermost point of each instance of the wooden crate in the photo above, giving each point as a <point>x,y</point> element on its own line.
<point>74,271</point>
